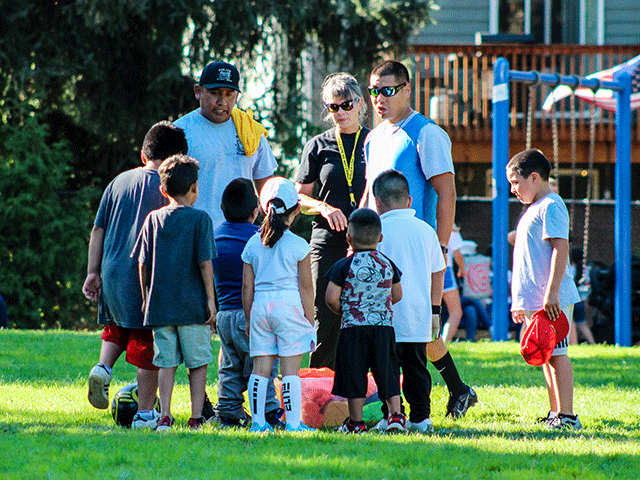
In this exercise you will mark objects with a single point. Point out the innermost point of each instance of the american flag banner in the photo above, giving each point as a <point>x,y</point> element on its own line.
<point>604,97</point>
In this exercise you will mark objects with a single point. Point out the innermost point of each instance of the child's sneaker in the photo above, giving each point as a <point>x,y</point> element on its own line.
<point>562,422</point>
<point>145,420</point>
<point>352,427</point>
<point>301,428</point>
<point>425,426</point>
<point>208,412</point>
<point>255,428</point>
<point>99,380</point>
<point>397,423</point>
<point>547,419</point>
<point>381,426</point>
<point>165,424</point>
<point>457,406</point>
<point>196,423</point>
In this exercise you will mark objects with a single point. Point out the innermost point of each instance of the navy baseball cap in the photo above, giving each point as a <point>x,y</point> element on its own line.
<point>220,74</point>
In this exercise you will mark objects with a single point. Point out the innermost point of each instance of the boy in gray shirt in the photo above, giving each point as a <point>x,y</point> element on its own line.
<point>175,249</point>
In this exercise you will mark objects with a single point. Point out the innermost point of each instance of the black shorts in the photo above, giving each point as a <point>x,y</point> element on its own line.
<point>363,348</point>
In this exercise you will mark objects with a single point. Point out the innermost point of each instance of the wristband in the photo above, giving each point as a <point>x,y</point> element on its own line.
<point>436,309</point>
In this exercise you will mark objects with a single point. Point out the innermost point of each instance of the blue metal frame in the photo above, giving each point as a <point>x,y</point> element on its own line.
<point>621,84</point>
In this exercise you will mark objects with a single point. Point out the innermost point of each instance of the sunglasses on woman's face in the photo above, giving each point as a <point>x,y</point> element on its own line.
<point>334,107</point>
<point>386,91</point>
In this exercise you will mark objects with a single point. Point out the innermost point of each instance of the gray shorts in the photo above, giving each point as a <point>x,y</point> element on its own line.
<point>190,344</point>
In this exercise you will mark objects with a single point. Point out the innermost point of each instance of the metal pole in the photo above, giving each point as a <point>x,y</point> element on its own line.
<point>623,212</point>
<point>500,249</point>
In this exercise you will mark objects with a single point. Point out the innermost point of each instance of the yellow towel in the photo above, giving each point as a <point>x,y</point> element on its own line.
<point>249,130</point>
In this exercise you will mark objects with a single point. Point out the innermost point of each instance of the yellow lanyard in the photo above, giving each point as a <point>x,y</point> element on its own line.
<point>348,167</point>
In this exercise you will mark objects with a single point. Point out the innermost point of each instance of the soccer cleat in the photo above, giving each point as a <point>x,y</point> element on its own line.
<point>99,380</point>
<point>208,411</point>
<point>547,419</point>
<point>564,422</point>
<point>425,426</point>
<point>352,427</point>
<point>196,423</point>
<point>397,423</point>
<point>255,428</point>
<point>164,424</point>
<point>145,420</point>
<point>301,428</point>
<point>457,406</point>
<point>274,418</point>
<point>381,426</point>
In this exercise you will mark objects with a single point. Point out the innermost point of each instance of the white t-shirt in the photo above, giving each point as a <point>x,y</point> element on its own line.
<point>414,247</point>
<point>276,268</point>
<point>219,151</point>
<point>545,219</point>
<point>455,243</point>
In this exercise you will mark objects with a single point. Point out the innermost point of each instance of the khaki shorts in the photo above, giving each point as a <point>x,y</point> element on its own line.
<point>563,346</point>
<point>190,344</point>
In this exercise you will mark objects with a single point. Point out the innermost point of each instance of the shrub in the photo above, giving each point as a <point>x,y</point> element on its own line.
<point>44,229</point>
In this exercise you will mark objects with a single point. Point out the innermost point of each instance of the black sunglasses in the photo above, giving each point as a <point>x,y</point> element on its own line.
<point>334,107</point>
<point>386,91</point>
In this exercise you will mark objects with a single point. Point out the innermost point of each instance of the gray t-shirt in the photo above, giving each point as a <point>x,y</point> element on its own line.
<point>173,242</point>
<point>125,204</point>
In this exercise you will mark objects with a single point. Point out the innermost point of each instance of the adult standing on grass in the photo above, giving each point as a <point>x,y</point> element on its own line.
<point>332,162</point>
<point>409,142</point>
<point>112,275</point>
<point>226,141</point>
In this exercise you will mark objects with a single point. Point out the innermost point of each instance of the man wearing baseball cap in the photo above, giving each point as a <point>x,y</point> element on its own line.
<point>227,142</point>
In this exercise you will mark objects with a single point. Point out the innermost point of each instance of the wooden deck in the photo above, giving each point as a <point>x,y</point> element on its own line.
<point>453,86</point>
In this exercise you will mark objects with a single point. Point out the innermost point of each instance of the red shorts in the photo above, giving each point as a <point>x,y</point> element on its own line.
<point>137,342</point>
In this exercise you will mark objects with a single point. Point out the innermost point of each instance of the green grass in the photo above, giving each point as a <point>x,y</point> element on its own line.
<point>49,430</point>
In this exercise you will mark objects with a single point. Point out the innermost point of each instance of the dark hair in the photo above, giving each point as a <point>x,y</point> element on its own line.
<point>178,173</point>
<point>163,140</point>
<point>239,200</point>
<point>392,67</point>
<point>273,225</point>
<point>365,226</point>
<point>529,161</point>
<point>391,187</point>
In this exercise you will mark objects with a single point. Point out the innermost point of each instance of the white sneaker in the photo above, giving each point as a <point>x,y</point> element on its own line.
<point>381,426</point>
<point>99,380</point>
<point>145,420</point>
<point>425,426</point>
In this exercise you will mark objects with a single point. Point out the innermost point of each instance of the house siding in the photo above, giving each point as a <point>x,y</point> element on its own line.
<point>457,22</point>
<point>622,22</point>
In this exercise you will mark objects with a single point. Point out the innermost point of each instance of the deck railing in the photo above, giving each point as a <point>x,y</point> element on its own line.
<point>452,84</point>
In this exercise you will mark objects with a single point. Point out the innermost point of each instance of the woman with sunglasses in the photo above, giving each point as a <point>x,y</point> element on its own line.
<point>332,165</point>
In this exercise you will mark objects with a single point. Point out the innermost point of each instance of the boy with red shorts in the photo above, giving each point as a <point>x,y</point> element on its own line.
<point>112,275</point>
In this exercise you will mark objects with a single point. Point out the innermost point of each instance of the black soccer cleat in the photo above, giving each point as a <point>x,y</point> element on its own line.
<point>457,406</point>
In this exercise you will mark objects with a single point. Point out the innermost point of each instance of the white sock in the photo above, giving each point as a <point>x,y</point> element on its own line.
<point>553,414</point>
<point>258,398</point>
<point>292,399</point>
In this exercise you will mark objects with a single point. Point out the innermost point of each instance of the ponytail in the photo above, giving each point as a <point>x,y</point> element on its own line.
<point>273,225</point>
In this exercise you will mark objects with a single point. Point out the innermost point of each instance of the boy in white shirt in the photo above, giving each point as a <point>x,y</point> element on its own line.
<point>414,247</point>
<point>540,276</point>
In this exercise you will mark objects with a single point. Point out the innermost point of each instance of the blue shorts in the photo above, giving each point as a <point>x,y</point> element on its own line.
<point>450,282</point>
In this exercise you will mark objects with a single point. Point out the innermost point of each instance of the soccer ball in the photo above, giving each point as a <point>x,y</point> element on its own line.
<point>125,405</point>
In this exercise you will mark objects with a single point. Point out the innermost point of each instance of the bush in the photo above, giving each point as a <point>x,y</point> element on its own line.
<point>44,229</point>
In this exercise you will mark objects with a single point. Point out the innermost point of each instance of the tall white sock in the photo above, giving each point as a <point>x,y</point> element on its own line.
<point>257,398</point>
<point>292,399</point>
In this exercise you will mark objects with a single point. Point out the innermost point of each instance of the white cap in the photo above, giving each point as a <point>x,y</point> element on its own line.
<point>279,187</point>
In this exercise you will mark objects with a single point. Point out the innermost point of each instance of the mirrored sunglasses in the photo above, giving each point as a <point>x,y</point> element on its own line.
<point>334,107</point>
<point>386,91</point>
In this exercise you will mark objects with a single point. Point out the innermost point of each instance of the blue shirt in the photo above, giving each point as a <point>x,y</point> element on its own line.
<point>419,149</point>
<point>227,266</point>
